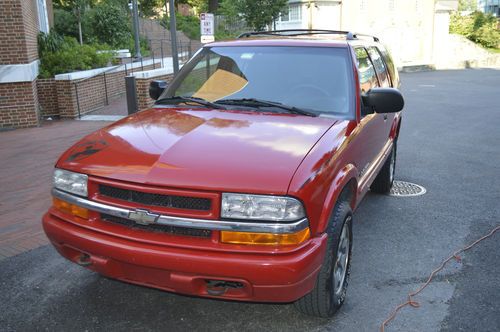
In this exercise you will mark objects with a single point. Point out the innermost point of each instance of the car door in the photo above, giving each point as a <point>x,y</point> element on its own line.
<point>370,133</point>
<point>385,82</point>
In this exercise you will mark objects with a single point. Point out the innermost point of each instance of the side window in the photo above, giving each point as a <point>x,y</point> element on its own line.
<point>367,76</point>
<point>380,67</point>
<point>391,66</point>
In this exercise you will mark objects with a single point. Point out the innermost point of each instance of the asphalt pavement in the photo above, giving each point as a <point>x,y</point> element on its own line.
<point>449,143</point>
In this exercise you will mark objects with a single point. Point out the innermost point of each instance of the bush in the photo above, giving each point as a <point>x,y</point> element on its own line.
<point>189,25</point>
<point>479,27</point>
<point>70,56</point>
<point>51,42</point>
<point>143,44</point>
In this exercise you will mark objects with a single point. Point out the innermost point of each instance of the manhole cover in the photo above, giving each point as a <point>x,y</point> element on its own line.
<point>406,189</point>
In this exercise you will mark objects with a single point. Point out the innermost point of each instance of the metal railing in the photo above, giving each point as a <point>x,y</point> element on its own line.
<point>128,68</point>
<point>160,50</point>
<point>103,74</point>
<point>162,47</point>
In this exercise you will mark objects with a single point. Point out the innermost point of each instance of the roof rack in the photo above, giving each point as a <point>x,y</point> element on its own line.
<point>304,32</point>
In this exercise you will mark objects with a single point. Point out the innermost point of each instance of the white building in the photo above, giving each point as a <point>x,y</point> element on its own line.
<point>411,29</point>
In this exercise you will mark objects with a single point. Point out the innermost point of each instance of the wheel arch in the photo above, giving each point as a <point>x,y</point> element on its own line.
<point>344,187</point>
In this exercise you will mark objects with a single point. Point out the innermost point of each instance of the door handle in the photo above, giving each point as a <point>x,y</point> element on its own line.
<point>385,117</point>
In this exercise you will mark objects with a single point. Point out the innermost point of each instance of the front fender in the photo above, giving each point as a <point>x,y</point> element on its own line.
<point>323,174</point>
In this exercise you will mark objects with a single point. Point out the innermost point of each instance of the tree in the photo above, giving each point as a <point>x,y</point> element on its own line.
<point>150,8</point>
<point>213,5</point>
<point>110,24</point>
<point>257,13</point>
<point>78,8</point>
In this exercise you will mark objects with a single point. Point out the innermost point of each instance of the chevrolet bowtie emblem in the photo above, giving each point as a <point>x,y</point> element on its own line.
<point>143,217</point>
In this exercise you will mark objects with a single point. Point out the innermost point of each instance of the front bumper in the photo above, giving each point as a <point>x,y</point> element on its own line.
<point>265,277</point>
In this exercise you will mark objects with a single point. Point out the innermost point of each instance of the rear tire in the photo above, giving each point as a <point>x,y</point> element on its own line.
<point>331,285</point>
<point>383,182</point>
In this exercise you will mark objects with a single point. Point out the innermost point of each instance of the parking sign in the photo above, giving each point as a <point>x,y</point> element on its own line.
<point>207,26</point>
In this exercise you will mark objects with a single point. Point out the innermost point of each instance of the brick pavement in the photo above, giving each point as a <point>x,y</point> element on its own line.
<point>27,157</point>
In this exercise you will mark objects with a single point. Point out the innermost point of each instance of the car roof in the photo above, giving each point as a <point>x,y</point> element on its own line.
<point>299,37</point>
<point>309,41</point>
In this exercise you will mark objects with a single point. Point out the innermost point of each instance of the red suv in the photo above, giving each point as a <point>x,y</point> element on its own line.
<point>240,182</point>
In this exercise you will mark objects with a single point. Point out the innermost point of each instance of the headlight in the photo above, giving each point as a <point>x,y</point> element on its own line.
<point>71,182</point>
<point>260,207</point>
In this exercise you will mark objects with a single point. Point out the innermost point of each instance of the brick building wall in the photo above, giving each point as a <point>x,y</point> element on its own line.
<point>30,19</point>
<point>47,97</point>
<point>91,92</point>
<point>17,102</point>
<point>18,66</point>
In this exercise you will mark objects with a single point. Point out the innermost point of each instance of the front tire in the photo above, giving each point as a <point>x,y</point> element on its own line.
<point>331,285</point>
<point>385,178</point>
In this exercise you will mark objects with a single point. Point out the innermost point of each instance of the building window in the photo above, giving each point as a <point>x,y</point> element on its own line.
<point>295,12</point>
<point>292,13</point>
<point>43,20</point>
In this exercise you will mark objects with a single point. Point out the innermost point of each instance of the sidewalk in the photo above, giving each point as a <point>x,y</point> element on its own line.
<point>27,159</point>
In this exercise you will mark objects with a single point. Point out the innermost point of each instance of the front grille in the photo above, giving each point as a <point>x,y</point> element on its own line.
<point>168,201</point>
<point>205,233</point>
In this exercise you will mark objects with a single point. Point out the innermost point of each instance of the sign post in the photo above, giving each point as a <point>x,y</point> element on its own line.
<point>207,25</point>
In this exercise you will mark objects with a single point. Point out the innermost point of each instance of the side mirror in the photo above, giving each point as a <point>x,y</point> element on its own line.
<point>384,100</point>
<point>156,88</point>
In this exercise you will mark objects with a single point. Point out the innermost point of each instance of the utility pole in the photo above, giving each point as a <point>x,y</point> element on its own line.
<point>135,14</point>
<point>173,36</point>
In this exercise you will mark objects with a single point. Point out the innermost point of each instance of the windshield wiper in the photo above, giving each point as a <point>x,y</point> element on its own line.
<point>265,103</point>
<point>180,99</point>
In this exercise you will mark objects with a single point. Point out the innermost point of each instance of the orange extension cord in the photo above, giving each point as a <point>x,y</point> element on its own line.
<point>416,304</point>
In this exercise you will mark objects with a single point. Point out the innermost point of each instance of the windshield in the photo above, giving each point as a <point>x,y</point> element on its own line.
<point>310,78</point>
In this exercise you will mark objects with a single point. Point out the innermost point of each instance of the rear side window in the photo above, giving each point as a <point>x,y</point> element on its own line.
<point>390,66</point>
<point>367,76</point>
<point>380,67</point>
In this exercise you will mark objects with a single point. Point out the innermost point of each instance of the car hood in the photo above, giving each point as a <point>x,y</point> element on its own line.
<point>239,151</point>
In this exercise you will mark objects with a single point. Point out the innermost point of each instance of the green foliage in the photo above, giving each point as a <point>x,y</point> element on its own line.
<point>225,34</point>
<point>467,5</point>
<point>190,25</point>
<point>143,44</point>
<point>106,23</point>
<point>51,42</point>
<point>479,27</point>
<point>70,56</point>
<point>257,13</point>
<point>149,8</point>
<point>200,6</point>
<point>65,23</point>
<point>109,24</point>
<point>230,9</point>
<point>70,5</point>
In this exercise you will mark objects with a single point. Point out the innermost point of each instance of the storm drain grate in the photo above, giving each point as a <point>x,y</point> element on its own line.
<point>406,189</point>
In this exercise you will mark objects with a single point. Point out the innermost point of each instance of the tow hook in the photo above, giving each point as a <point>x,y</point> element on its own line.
<point>84,260</point>
<point>220,287</point>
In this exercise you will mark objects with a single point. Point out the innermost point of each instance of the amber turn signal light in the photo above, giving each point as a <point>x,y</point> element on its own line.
<point>70,208</point>
<point>269,239</point>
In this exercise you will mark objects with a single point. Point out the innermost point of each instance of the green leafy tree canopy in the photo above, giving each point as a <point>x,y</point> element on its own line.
<point>257,13</point>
